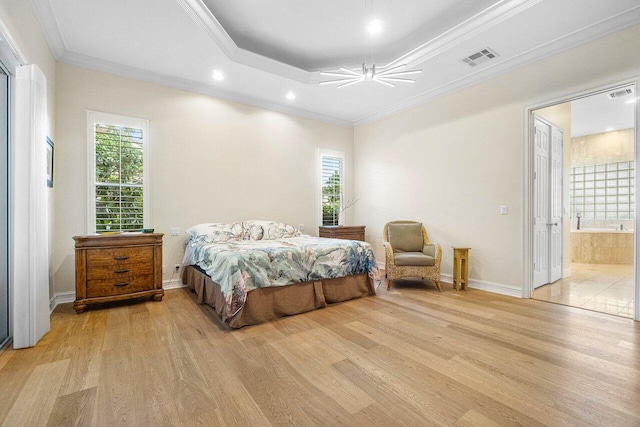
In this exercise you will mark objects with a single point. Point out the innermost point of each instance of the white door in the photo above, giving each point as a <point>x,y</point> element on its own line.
<point>555,207</point>
<point>547,204</point>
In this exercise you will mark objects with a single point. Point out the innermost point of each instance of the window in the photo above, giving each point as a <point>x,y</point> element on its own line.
<point>603,191</point>
<point>118,167</point>
<point>331,187</point>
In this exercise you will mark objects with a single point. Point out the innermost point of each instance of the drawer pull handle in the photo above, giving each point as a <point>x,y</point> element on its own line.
<point>122,284</point>
<point>120,258</point>
<point>121,271</point>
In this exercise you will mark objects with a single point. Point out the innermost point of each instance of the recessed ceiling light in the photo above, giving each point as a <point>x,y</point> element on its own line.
<point>609,129</point>
<point>291,96</point>
<point>217,75</point>
<point>374,27</point>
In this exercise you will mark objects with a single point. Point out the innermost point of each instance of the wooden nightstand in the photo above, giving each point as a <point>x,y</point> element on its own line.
<point>117,267</point>
<point>347,232</point>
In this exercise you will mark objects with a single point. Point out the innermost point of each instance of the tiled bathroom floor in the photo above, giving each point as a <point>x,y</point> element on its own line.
<point>607,288</point>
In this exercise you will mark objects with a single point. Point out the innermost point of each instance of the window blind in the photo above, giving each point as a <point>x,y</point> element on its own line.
<point>119,178</point>
<point>332,172</point>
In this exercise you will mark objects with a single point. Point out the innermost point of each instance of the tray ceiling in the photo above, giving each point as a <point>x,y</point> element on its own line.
<point>266,49</point>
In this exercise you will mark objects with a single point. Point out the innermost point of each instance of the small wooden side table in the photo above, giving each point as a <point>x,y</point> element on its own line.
<point>460,268</point>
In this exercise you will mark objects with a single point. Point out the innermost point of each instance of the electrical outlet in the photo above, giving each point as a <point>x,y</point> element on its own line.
<point>176,268</point>
<point>301,227</point>
<point>175,231</point>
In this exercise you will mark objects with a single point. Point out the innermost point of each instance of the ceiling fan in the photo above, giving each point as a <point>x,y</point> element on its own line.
<point>386,77</point>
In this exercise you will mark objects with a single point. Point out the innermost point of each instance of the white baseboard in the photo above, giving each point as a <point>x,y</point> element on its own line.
<point>61,298</point>
<point>70,296</point>
<point>173,284</point>
<point>566,272</point>
<point>497,288</point>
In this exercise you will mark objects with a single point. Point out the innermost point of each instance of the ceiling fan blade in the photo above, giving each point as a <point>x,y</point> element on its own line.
<point>339,81</point>
<point>349,83</point>
<point>328,73</point>
<point>397,67</point>
<point>384,83</point>
<point>395,79</point>
<point>346,70</point>
<point>400,73</point>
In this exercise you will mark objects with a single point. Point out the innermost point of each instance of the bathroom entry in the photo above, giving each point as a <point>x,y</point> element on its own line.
<point>547,203</point>
<point>598,200</point>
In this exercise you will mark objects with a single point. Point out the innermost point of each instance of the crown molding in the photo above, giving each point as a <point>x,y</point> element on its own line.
<point>477,24</point>
<point>85,61</point>
<point>203,17</point>
<point>44,13</point>
<point>595,31</point>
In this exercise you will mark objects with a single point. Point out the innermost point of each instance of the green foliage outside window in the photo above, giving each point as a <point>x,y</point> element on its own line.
<point>331,200</point>
<point>119,178</point>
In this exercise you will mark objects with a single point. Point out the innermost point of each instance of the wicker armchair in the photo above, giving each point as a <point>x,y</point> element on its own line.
<point>424,263</point>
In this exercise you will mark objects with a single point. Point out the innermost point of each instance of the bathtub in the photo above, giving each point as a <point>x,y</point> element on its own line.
<point>602,246</point>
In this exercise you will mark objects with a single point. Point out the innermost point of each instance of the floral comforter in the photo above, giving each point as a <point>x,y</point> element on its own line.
<point>244,265</point>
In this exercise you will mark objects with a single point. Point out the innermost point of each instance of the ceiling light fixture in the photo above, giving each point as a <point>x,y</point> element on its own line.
<point>217,75</point>
<point>386,76</point>
<point>609,129</point>
<point>374,27</point>
<point>291,96</point>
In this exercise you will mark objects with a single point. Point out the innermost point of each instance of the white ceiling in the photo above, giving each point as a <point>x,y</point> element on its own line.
<point>599,113</point>
<point>314,35</point>
<point>268,48</point>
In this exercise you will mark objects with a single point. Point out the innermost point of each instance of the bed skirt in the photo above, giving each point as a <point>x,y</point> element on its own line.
<point>265,304</point>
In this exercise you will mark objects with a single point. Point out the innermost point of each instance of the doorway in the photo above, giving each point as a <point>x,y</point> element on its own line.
<point>597,201</point>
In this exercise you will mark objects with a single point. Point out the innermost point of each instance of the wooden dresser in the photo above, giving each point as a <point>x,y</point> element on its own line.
<point>116,267</point>
<point>347,232</point>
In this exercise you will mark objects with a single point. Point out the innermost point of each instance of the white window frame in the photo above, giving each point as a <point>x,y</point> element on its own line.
<point>323,152</point>
<point>94,117</point>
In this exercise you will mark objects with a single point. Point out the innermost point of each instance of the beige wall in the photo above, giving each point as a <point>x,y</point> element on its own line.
<point>452,162</point>
<point>599,148</point>
<point>24,27</point>
<point>560,115</point>
<point>211,160</point>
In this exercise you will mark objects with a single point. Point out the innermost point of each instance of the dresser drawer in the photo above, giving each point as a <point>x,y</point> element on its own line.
<point>121,286</point>
<point>119,256</point>
<point>119,270</point>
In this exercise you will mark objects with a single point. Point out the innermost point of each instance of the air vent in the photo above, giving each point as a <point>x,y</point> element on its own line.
<point>480,57</point>
<point>620,93</point>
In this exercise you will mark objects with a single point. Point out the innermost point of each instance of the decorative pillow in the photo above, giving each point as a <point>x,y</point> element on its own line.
<point>269,230</point>
<point>406,237</point>
<point>216,232</point>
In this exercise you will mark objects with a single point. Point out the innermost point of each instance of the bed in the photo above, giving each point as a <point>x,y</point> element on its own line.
<point>257,271</point>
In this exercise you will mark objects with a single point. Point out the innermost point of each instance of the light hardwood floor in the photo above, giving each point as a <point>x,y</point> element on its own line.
<point>607,288</point>
<point>410,356</point>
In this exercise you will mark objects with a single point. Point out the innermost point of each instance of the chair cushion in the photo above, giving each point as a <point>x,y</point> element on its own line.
<point>406,237</point>
<point>413,259</point>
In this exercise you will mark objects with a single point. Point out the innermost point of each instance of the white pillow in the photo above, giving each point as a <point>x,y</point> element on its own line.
<point>269,230</point>
<point>216,232</point>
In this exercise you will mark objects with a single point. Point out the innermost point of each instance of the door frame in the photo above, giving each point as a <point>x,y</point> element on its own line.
<point>11,57</point>
<point>527,200</point>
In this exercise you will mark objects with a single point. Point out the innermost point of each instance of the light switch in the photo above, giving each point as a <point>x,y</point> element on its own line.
<point>175,231</point>
<point>503,210</point>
